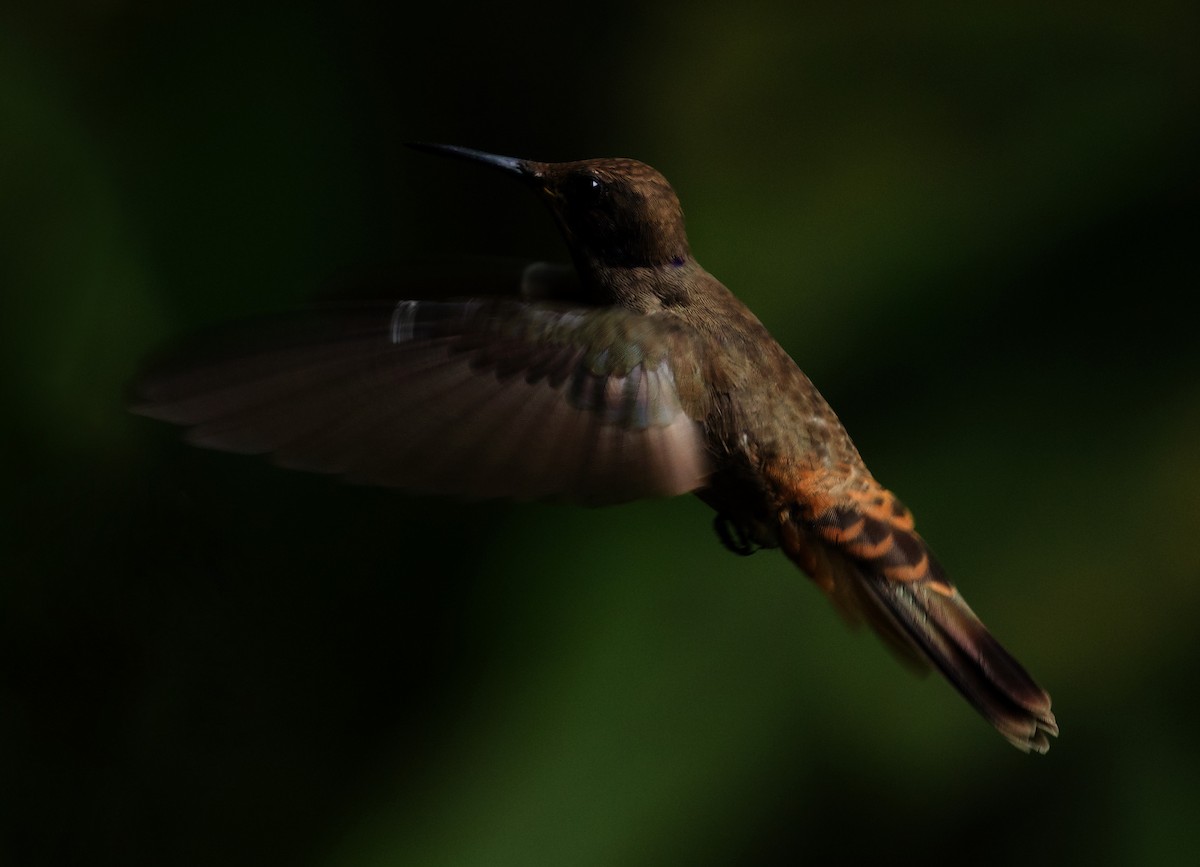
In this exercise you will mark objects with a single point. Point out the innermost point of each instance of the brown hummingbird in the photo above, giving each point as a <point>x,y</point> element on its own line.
<point>634,374</point>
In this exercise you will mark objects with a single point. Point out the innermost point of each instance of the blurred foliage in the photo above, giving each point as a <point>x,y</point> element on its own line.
<point>974,226</point>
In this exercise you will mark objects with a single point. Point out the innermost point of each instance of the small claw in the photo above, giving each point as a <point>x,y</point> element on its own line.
<point>733,537</point>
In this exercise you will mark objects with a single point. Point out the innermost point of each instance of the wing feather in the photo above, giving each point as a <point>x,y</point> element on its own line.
<point>479,398</point>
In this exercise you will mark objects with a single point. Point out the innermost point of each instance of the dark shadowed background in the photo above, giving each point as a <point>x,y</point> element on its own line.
<point>974,225</point>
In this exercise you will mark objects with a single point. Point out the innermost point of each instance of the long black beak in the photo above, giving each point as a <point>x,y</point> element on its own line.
<point>523,168</point>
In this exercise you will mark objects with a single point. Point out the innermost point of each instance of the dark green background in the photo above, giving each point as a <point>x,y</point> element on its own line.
<point>974,225</point>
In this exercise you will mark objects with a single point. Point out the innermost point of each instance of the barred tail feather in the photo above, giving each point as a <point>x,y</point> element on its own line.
<point>947,633</point>
<point>864,552</point>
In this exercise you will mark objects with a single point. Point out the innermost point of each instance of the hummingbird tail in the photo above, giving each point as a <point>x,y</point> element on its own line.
<point>946,632</point>
<point>877,569</point>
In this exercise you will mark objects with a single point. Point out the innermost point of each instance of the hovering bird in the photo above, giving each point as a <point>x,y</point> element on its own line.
<point>635,373</point>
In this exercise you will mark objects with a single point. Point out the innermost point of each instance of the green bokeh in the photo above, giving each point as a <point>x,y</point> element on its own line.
<point>973,225</point>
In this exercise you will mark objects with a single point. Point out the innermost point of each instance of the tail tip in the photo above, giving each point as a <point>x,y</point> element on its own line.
<point>1032,734</point>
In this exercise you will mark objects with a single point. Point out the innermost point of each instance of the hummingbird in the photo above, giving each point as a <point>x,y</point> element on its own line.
<point>631,373</point>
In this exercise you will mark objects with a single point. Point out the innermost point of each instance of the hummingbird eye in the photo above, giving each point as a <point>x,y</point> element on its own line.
<point>586,189</point>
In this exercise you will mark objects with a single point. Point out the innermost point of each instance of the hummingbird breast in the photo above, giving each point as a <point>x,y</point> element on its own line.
<point>766,425</point>
<point>762,408</point>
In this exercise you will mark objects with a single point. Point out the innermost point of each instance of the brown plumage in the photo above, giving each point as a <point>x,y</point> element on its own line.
<point>636,374</point>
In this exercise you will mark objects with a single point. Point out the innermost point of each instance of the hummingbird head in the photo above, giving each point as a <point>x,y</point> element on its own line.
<point>614,213</point>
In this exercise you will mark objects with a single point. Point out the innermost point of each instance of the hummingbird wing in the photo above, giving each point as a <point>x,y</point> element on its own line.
<point>861,548</point>
<point>479,398</point>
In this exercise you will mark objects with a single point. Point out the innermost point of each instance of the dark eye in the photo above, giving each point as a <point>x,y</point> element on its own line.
<point>586,189</point>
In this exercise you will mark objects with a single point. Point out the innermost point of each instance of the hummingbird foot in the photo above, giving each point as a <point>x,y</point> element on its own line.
<point>733,536</point>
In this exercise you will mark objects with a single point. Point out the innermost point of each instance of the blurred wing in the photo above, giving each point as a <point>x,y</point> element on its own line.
<point>863,551</point>
<point>482,398</point>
